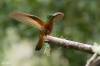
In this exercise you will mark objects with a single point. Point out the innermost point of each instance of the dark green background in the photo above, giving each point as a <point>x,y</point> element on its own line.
<point>81,23</point>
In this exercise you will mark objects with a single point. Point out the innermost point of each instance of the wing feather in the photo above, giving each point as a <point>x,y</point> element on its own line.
<point>54,18</point>
<point>29,19</point>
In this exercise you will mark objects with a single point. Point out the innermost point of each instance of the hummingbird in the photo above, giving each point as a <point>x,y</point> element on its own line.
<point>44,28</point>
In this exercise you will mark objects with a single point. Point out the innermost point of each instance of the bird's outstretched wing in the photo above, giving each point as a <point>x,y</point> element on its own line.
<point>29,19</point>
<point>54,18</point>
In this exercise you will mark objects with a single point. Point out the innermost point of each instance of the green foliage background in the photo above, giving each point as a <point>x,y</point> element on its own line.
<point>81,23</point>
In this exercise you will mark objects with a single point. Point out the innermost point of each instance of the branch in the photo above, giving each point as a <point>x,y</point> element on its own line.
<point>69,44</point>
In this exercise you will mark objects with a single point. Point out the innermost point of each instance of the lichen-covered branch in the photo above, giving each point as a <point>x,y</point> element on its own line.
<point>69,44</point>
